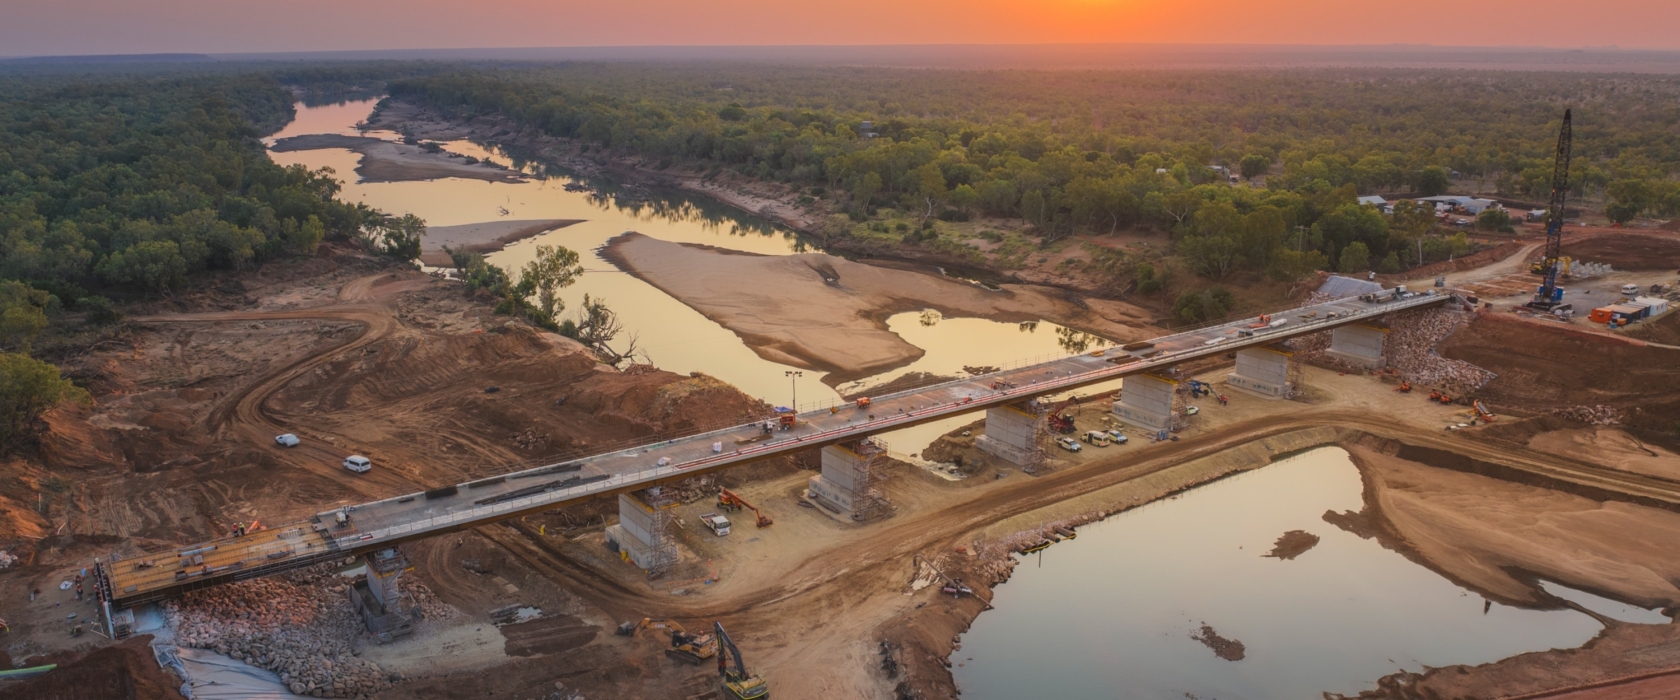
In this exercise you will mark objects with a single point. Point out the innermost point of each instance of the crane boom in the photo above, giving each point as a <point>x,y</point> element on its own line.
<point>1548,295</point>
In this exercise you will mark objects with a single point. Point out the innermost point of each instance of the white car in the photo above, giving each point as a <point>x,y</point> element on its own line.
<point>1069,444</point>
<point>287,440</point>
<point>358,464</point>
<point>1192,411</point>
<point>1119,437</point>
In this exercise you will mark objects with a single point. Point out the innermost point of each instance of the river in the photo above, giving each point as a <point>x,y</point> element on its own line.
<point>1111,613</point>
<point>674,337</point>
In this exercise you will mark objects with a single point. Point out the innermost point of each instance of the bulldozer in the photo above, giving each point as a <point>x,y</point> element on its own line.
<point>737,683</point>
<point>731,501</point>
<point>688,648</point>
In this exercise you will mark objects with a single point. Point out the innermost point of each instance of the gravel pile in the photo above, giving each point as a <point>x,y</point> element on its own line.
<point>1591,415</point>
<point>1410,350</point>
<point>300,625</point>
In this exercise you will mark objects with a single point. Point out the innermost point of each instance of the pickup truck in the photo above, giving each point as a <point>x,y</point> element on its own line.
<point>718,524</point>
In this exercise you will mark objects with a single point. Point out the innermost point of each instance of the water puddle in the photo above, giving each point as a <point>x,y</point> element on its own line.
<point>1113,613</point>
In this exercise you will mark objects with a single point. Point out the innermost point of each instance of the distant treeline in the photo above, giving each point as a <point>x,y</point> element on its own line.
<point>1100,151</point>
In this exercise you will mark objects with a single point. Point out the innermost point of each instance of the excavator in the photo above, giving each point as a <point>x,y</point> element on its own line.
<point>731,501</point>
<point>737,683</point>
<point>688,648</point>
<point>1405,386</point>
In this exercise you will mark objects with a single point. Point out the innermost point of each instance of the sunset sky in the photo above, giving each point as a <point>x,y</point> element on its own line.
<point>42,27</point>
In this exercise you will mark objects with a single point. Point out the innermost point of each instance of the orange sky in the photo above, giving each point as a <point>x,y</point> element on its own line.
<point>35,27</point>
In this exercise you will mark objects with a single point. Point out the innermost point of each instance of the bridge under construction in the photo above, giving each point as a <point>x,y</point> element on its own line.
<point>382,525</point>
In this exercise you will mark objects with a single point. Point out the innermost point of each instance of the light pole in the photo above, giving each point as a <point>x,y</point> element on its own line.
<point>793,376</point>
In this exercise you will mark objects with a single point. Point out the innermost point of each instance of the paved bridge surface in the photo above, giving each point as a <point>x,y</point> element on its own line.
<point>380,524</point>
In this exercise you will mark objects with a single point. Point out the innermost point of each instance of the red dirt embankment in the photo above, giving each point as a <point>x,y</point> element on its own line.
<point>1541,367</point>
<point>1626,250</point>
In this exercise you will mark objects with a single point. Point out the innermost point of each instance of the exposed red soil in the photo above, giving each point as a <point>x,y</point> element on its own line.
<point>1626,250</point>
<point>124,671</point>
<point>1542,367</point>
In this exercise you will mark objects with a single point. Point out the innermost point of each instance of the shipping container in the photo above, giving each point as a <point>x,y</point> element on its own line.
<point>1600,315</point>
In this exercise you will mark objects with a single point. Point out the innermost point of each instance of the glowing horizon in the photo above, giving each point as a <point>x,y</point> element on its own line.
<point>71,27</point>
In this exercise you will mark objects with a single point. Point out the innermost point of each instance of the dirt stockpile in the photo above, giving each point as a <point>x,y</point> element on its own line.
<point>126,670</point>
<point>1627,251</point>
<point>824,312</point>
<point>1665,330</point>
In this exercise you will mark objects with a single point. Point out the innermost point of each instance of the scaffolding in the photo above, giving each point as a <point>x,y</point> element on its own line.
<point>662,545</point>
<point>1293,375</point>
<point>1036,460</point>
<point>868,500</point>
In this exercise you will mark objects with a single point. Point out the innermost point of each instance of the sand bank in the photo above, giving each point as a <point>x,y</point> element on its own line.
<point>483,237</point>
<point>388,161</point>
<point>1487,532</point>
<point>824,312</point>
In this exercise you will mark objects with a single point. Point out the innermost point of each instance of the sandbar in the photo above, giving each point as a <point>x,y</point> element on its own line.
<point>827,313</point>
<point>389,161</point>
<point>483,237</point>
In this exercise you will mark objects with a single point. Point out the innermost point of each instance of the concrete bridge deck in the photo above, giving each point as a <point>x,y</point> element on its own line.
<point>392,521</point>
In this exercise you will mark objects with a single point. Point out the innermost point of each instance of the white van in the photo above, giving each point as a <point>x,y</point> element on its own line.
<point>358,464</point>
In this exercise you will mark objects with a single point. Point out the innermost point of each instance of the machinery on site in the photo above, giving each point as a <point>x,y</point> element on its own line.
<point>1061,423</point>
<point>1550,296</point>
<point>1198,388</point>
<point>1405,387</point>
<point>688,648</point>
<point>1439,396</point>
<point>738,684</point>
<point>1483,412</point>
<point>732,502</point>
<point>1539,268</point>
<point>953,587</point>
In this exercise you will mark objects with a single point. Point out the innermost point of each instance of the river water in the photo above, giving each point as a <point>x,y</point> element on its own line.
<point>1111,614</point>
<point>675,337</point>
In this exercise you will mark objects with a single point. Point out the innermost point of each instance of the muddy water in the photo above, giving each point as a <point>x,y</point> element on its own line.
<point>672,335</point>
<point>1111,613</point>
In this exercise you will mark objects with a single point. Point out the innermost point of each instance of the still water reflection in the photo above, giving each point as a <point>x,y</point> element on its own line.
<point>1110,614</point>
<point>675,337</point>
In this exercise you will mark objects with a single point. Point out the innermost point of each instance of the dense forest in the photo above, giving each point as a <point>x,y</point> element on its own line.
<point>134,187</point>
<point>1101,151</point>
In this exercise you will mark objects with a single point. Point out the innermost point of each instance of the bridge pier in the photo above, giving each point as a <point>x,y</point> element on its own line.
<point>642,535</point>
<point>1011,434</point>
<point>387,613</point>
<point>1263,372</point>
<point>851,473</point>
<point>1146,401</point>
<point>1360,344</point>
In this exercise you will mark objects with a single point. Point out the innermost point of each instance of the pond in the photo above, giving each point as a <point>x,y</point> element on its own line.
<point>1114,613</point>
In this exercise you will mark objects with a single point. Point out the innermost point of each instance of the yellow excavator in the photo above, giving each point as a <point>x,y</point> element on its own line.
<point>688,648</point>
<point>1563,263</point>
<point>737,683</point>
